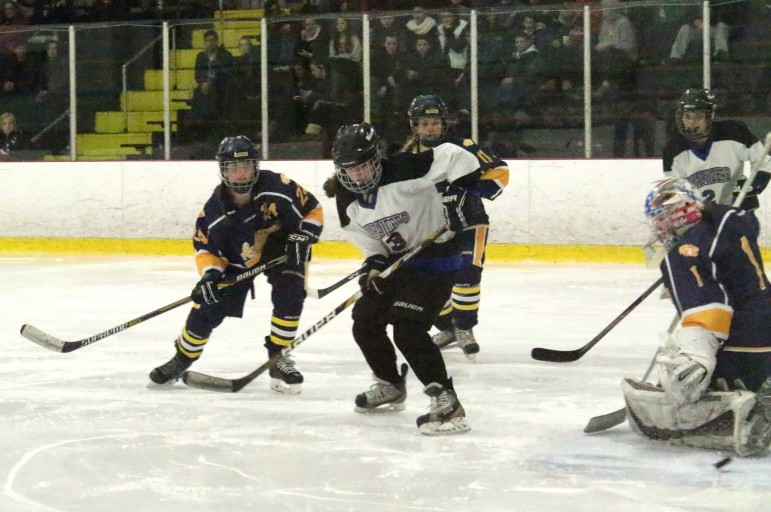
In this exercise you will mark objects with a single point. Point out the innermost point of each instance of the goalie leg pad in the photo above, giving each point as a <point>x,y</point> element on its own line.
<point>717,421</point>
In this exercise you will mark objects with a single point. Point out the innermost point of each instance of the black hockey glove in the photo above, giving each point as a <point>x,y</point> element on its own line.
<point>207,291</point>
<point>751,201</point>
<point>463,210</point>
<point>298,247</point>
<point>371,281</point>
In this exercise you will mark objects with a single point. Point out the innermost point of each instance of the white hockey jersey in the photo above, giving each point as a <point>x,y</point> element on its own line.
<point>716,170</point>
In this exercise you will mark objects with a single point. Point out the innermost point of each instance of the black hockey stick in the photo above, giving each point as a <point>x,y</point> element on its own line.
<point>212,383</point>
<point>52,343</point>
<point>567,356</point>
<point>313,293</point>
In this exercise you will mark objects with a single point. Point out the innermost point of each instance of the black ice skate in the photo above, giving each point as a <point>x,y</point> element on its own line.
<point>446,415</point>
<point>170,372</point>
<point>384,396</point>
<point>285,377</point>
<point>467,343</point>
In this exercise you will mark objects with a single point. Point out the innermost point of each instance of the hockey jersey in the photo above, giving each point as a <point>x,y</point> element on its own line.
<point>256,233</point>
<point>406,206</point>
<point>715,269</point>
<point>716,171</point>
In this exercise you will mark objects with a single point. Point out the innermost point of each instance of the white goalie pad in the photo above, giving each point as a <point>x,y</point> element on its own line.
<point>718,420</point>
<point>686,363</point>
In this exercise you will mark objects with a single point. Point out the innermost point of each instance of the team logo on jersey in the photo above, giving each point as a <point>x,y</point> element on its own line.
<point>688,250</point>
<point>707,177</point>
<point>251,254</point>
<point>384,227</point>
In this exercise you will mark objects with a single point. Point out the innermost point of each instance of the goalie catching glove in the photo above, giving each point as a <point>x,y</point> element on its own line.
<point>207,290</point>
<point>686,363</point>
<point>462,209</point>
<point>371,281</point>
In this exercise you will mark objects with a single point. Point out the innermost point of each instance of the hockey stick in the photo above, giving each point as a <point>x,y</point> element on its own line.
<point>611,419</point>
<point>212,383</point>
<point>52,343</point>
<point>567,356</point>
<point>313,293</point>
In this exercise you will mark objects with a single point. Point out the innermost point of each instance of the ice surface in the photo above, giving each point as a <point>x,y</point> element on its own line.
<point>81,432</point>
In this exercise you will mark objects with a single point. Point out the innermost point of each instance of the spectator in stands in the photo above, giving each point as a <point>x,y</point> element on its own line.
<point>615,54</point>
<point>422,26</point>
<point>12,18</point>
<point>55,77</point>
<point>313,43</point>
<point>51,11</point>
<point>454,41</point>
<point>530,25</point>
<point>524,68</point>
<point>689,42</point>
<point>11,138</point>
<point>20,74</point>
<point>383,26</point>
<point>328,111</point>
<point>211,98</point>
<point>426,72</point>
<point>388,75</point>
<point>344,58</point>
<point>246,88</point>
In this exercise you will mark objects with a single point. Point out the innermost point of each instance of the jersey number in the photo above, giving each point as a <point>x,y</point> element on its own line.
<point>395,242</point>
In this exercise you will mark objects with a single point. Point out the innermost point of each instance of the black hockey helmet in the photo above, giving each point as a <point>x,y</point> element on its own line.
<point>235,151</point>
<point>357,158</point>
<point>696,100</point>
<point>428,105</point>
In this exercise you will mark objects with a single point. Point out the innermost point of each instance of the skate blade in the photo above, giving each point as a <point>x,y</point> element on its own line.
<point>448,346</point>
<point>383,409</point>
<point>282,387</point>
<point>165,385</point>
<point>448,428</point>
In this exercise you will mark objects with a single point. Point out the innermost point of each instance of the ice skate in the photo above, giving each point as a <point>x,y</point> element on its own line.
<point>446,415</point>
<point>467,343</point>
<point>759,423</point>
<point>285,377</point>
<point>444,339</point>
<point>170,372</point>
<point>383,396</point>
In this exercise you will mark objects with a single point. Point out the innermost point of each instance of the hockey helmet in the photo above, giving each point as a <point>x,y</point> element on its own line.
<point>357,158</point>
<point>700,101</point>
<point>238,152</point>
<point>428,105</point>
<point>672,206</point>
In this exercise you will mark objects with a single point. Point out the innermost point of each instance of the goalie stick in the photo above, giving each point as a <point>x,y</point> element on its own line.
<point>45,340</point>
<point>313,293</point>
<point>611,419</point>
<point>568,356</point>
<point>213,383</point>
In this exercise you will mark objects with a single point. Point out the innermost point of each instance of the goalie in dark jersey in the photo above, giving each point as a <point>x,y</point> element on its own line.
<point>429,122</point>
<point>711,154</point>
<point>714,387</point>
<point>253,216</point>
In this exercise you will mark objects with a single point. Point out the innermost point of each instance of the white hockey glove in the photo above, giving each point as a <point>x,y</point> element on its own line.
<point>686,363</point>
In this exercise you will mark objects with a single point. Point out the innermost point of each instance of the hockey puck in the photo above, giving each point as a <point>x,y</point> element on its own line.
<point>722,462</point>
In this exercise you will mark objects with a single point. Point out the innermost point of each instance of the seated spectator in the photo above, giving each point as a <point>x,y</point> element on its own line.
<point>313,43</point>
<point>383,26</point>
<point>246,88</point>
<point>530,25</point>
<point>20,74</point>
<point>422,26</point>
<point>615,54</point>
<point>518,89</point>
<point>11,138</point>
<point>12,18</point>
<point>388,75</point>
<point>213,73</point>
<point>689,42</point>
<point>344,58</point>
<point>454,40</point>
<point>425,71</point>
<point>54,96</point>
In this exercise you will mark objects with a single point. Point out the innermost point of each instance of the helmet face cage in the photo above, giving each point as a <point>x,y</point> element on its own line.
<point>671,208</point>
<point>235,152</point>
<point>429,105</point>
<point>357,157</point>
<point>696,100</point>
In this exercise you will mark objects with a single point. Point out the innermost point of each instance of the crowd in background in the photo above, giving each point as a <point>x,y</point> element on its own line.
<point>530,63</point>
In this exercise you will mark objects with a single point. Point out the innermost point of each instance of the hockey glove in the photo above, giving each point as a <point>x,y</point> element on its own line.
<point>298,246</point>
<point>751,201</point>
<point>207,290</point>
<point>463,210</point>
<point>371,281</point>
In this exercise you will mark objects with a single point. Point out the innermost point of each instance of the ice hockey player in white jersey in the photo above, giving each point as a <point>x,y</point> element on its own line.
<point>387,207</point>
<point>711,154</point>
<point>714,387</point>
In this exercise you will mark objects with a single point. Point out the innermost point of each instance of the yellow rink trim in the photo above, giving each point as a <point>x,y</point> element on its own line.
<point>334,250</point>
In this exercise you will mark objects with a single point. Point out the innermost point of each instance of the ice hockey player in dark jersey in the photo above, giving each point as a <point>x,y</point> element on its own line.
<point>711,154</point>
<point>428,117</point>
<point>714,388</point>
<point>387,207</point>
<point>253,216</point>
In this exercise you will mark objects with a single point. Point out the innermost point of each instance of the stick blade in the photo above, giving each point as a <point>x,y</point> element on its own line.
<point>208,382</point>
<point>605,421</point>
<point>556,356</point>
<point>35,335</point>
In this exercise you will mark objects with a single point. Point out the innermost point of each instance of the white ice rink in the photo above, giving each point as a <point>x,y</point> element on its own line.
<point>81,432</point>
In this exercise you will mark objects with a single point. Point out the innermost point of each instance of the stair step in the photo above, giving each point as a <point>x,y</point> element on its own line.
<point>238,13</point>
<point>120,122</point>
<point>181,79</point>
<point>110,143</point>
<point>135,101</point>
